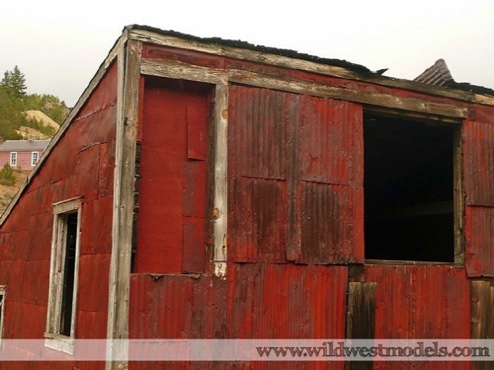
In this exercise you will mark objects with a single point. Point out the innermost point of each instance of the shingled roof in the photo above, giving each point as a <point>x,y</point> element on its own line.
<point>24,145</point>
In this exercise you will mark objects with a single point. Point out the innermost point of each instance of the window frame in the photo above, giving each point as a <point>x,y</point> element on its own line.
<point>458,198</point>
<point>33,162</point>
<point>13,159</point>
<point>53,338</point>
<point>2,311</point>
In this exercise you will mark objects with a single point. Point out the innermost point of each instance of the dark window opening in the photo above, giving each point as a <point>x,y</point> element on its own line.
<point>68,273</point>
<point>409,177</point>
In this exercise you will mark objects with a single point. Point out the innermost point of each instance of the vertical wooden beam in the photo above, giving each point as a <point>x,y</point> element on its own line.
<point>482,304</point>
<point>220,179</point>
<point>361,311</point>
<point>123,204</point>
<point>458,198</point>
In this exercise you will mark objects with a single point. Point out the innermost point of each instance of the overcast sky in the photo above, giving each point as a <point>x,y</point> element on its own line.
<point>59,45</point>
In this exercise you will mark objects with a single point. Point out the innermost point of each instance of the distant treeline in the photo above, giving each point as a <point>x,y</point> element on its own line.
<point>14,101</point>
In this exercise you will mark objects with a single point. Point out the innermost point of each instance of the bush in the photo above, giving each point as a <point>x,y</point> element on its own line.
<point>7,175</point>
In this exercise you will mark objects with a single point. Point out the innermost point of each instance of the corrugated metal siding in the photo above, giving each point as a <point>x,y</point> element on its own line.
<point>258,223</point>
<point>478,162</point>
<point>81,164</point>
<point>287,301</point>
<point>326,225</point>
<point>327,135</point>
<point>177,306</point>
<point>421,302</point>
<point>302,156</point>
<point>258,132</point>
<point>479,241</point>
<point>478,177</point>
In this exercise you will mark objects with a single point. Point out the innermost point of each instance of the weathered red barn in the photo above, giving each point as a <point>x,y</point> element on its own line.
<point>204,188</point>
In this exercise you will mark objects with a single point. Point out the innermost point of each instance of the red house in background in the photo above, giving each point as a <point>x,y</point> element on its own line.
<point>204,188</point>
<point>22,153</point>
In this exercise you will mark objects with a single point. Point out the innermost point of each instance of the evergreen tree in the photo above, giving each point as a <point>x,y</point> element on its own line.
<point>14,83</point>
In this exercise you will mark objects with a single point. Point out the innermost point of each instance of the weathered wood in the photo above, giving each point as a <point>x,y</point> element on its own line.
<point>360,323</point>
<point>220,179</point>
<point>408,263</point>
<point>432,208</point>
<point>123,202</point>
<point>417,116</point>
<point>458,199</point>
<point>178,70</point>
<point>482,305</point>
<point>381,100</point>
<point>483,99</point>
<point>294,63</point>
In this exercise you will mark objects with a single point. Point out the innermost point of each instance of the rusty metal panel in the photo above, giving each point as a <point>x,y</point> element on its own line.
<point>421,301</point>
<point>295,167</point>
<point>479,239</point>
<point>177,306</point>
<point>328,132</point>
<point>478,162</point>
<point>327,223</point>
<point>172,186</point>
<point>414,302</point>
<point>257,139</point>
<point>170,306</point>
<point>287,301</point>
<point>197,115</point>
<point>81,164</point>
<point>194,258</point>
<point>258,220</point>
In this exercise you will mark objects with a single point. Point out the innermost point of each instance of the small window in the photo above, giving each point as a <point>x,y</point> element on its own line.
<point>13,159</point>
<point>2,309</point>
<point>409,177</point>
<point>34,158</point>
<point>60,328</point>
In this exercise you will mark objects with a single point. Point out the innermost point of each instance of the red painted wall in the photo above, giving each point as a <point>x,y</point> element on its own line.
<point>295,213</point>
<point>295,191</point>
<point>295,178</point>
<point>172,186</point>
<point>81,164</point>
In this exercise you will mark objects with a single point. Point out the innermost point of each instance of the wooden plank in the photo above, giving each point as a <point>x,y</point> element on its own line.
<point>183,71</point>
<point>416,116</point>
<point>381,100</point>
<point>179,70</point>
<point>220,179</point>
<point>481,311</point>
<point>483,99</point>
<point>458,198</point>
<point>304,65</point>
<point>361,309</point>
<point>122,234</point>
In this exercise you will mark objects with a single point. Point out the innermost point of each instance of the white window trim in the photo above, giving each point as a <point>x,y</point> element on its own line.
<point>13,162</point>
<point>32,158</point>
<point>53,338</point>
<point>2,312</point>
